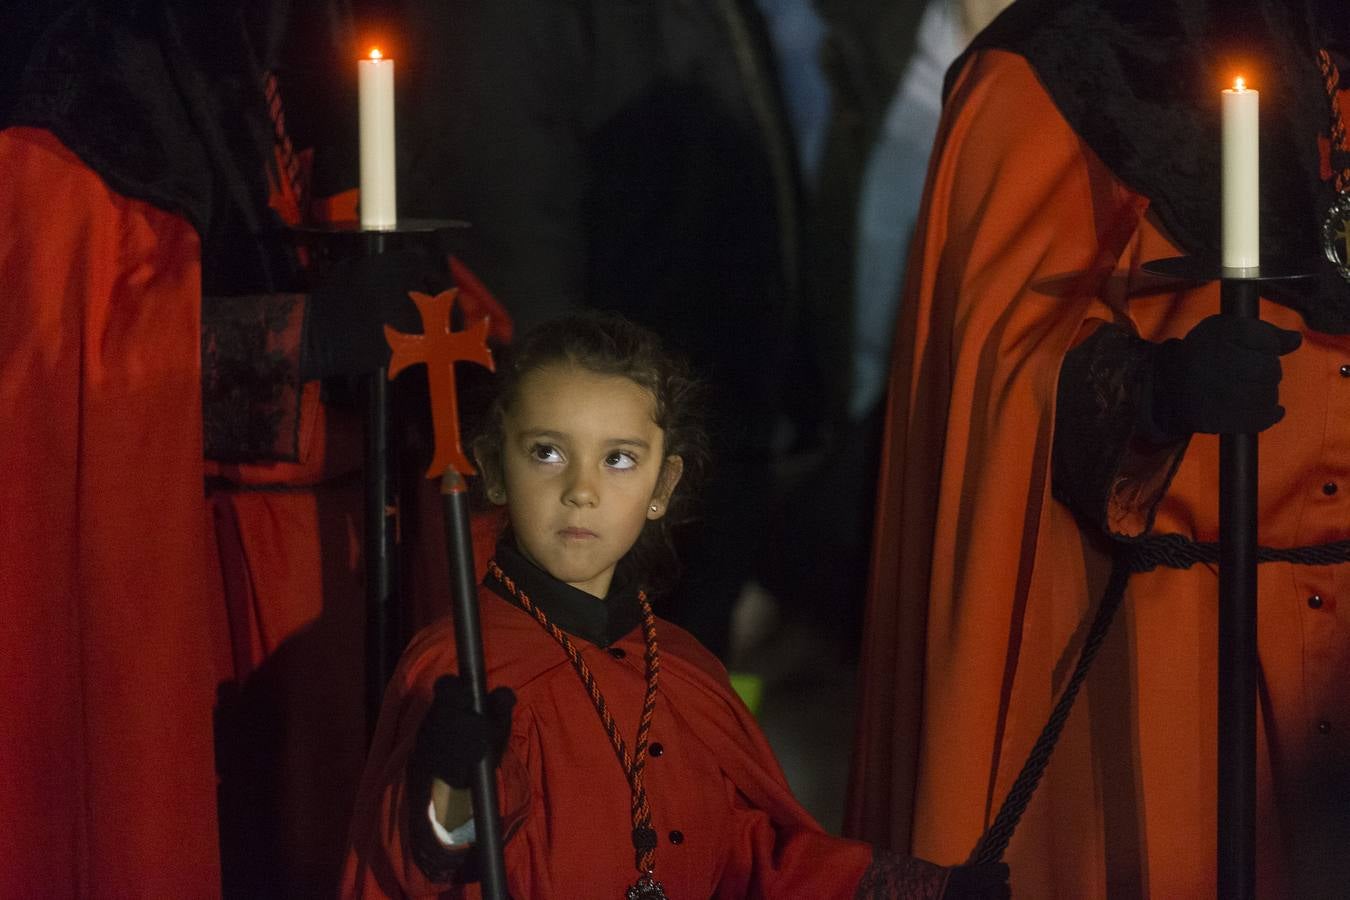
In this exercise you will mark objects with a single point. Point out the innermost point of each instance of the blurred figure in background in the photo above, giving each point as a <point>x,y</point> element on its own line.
<point>863,81</point>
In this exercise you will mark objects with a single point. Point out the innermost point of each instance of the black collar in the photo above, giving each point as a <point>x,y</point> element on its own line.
<point>602,622</point>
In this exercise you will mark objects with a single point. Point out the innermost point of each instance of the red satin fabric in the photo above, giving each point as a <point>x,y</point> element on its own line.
<point>105,631</point>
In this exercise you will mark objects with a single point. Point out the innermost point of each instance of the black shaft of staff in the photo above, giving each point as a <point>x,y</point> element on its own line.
<point>1237,639</point>
<point>379,536</point>
<point>377,545</point>
<point>469,647</point>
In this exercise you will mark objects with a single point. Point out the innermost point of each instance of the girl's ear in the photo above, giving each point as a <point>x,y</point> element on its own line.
<point>671,470</point>
<point>489,466</point>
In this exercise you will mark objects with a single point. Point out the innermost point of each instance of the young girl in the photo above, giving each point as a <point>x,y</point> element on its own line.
<point>628,767</point>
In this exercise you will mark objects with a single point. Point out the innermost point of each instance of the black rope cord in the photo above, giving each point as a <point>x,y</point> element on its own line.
<point>1173,551</point>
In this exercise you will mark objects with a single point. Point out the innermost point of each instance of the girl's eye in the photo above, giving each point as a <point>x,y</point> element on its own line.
<point>545,453</point>
<point>620,459</point>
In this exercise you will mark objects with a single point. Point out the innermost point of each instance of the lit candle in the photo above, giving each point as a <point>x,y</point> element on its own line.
<point>1241,177</point>
<point>379,204</point>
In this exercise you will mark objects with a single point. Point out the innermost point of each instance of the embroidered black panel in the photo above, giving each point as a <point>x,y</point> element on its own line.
<point>250,381</point>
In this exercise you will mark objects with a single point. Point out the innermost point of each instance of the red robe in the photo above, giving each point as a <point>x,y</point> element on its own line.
<point>106,620</point>
<point>983,583</point>
<point>564,799</point>
<point>155,633</point>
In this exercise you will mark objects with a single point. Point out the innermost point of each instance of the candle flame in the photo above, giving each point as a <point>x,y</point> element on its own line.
<point>1239,84</point>
<point>375,53</point>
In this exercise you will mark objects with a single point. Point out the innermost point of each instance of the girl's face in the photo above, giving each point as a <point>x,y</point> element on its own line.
<point>581,471</point>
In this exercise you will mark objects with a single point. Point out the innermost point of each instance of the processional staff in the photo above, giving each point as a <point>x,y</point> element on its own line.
<point>1241,276</point>
<point>1239,296</point>
<point>440,348</point>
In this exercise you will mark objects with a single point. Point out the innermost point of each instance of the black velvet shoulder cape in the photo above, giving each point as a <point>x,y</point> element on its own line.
<point>1140,80</point>
<point>164,101</point>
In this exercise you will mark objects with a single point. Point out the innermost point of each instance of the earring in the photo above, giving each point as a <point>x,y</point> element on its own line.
<point>497,495</point>
<point>655,507</point>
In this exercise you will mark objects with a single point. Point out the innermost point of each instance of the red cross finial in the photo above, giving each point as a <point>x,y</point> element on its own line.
<point>440,348</point>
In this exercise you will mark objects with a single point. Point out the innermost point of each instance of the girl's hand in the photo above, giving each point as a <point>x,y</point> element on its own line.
<point>453,738</point>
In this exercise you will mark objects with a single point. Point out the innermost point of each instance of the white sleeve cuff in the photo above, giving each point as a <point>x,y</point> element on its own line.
<point>454,837</point>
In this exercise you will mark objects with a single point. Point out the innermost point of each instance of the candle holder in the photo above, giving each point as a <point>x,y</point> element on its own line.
<point>1239,295</point>
<point>383,643</point>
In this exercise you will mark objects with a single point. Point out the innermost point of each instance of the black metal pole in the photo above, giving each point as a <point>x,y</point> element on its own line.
<point>1237,639</point>
<point>384,612</point>
<point>379,549</point>
<point>469,647</point>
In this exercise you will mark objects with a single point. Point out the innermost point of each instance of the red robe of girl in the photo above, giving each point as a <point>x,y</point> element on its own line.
<point>727,823</point>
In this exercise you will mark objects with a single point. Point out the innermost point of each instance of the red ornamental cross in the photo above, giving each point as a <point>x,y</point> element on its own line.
<point>440,348</point>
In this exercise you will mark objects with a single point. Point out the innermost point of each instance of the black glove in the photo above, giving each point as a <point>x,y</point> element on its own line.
<point>347,312</point>
<point>984,881</point>
<point>453,738</point>
<point>1223,377</point>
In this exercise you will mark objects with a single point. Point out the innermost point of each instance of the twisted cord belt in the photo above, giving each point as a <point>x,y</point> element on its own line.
<point>644,836</point>
<point>1171,551</point>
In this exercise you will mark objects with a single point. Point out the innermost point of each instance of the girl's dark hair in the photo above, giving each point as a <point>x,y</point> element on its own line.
<point>608,344</point>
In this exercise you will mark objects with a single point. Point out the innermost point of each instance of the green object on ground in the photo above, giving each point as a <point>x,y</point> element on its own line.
<point>750,688</point>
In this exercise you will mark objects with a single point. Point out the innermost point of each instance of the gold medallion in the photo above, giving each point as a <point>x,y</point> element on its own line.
<point>1336,234</point>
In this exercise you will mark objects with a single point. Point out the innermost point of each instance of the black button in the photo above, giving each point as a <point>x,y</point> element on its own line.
<point>617,652</point>
<point>656,750</point>
<point>1324,727</point>
<point>1330,488</point>
<point>1345,371</point>
<point>1315,601</point>
<point>677,837</point>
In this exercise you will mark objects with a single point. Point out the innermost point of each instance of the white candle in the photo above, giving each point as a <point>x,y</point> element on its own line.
<point>379,204</point>
<point>1241,177</point>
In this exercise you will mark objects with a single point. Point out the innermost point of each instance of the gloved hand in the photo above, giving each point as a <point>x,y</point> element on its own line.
<point>897,875</point>
<point>453,738</point>
<point>984,881</point>
<point>1223,377</point>
<point>348,310</point>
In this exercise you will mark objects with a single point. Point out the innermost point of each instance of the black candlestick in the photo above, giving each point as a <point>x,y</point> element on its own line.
<point>1237,636</point>
<point>384,638</point>
<point>1236,762</point>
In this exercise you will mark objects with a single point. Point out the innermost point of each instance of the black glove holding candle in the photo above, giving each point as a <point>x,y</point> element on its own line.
<point>354,300</point>
<point>1223,377</point>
